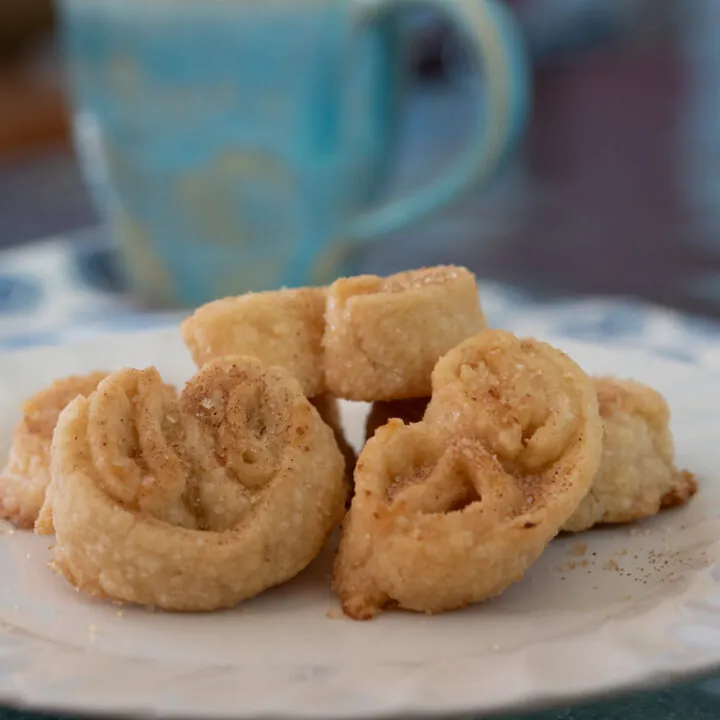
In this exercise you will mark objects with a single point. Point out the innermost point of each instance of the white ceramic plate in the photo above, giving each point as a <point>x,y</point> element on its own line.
<point>637,606</point>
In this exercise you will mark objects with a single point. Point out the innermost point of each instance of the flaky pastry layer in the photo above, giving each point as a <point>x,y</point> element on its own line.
<point>25,477</point>
<point>452,510</point>
<point>282,327</point>
<point>383,336</point>
<point>197,502</point>
<point>637,475</point>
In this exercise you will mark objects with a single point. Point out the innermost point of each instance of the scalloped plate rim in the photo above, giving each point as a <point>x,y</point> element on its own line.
<point>26,689</point>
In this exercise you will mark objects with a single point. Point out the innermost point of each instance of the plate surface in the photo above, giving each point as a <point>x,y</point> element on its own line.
<point>636,605</point>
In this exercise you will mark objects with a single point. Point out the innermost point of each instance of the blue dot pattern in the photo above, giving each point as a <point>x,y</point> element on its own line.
<point>69,287</point>
<point>19,294</point>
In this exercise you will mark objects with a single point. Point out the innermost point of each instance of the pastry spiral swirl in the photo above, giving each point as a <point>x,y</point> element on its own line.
<point>451,510</point>
<point>194,502</point>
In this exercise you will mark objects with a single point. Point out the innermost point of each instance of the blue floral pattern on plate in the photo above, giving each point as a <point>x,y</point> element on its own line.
<point>97,266</point>
<point>19,293</point>
<point>72,286</point>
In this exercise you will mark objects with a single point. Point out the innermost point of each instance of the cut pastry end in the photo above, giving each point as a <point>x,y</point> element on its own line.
<point>384,335</point>
<point>283,327</point>
<point>637,477</point>
<point>25,478</point>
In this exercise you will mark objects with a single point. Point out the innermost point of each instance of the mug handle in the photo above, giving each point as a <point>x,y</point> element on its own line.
<point>490,31</point>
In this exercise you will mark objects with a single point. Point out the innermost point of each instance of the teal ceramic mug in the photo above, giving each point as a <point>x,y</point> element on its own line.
<point>237,145</point>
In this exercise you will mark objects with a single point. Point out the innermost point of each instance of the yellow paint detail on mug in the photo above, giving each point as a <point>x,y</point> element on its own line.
<point>212,197</point>
<point>149,274</point>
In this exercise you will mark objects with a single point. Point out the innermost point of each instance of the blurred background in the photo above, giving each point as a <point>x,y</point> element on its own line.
<point>615,188</point>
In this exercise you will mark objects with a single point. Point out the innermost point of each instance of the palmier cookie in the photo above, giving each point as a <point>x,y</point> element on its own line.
<point>282,328</point>
<point>383,336</point>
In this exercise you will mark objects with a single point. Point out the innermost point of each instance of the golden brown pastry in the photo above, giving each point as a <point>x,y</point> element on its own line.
<point>637,475</point>
<point>26,475</point>
<point>383,336</point>
<point>452,510</point>
<point>329,410</point>
<point>283,327</point>
<point>196,502</point>
<point>382,411</point>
